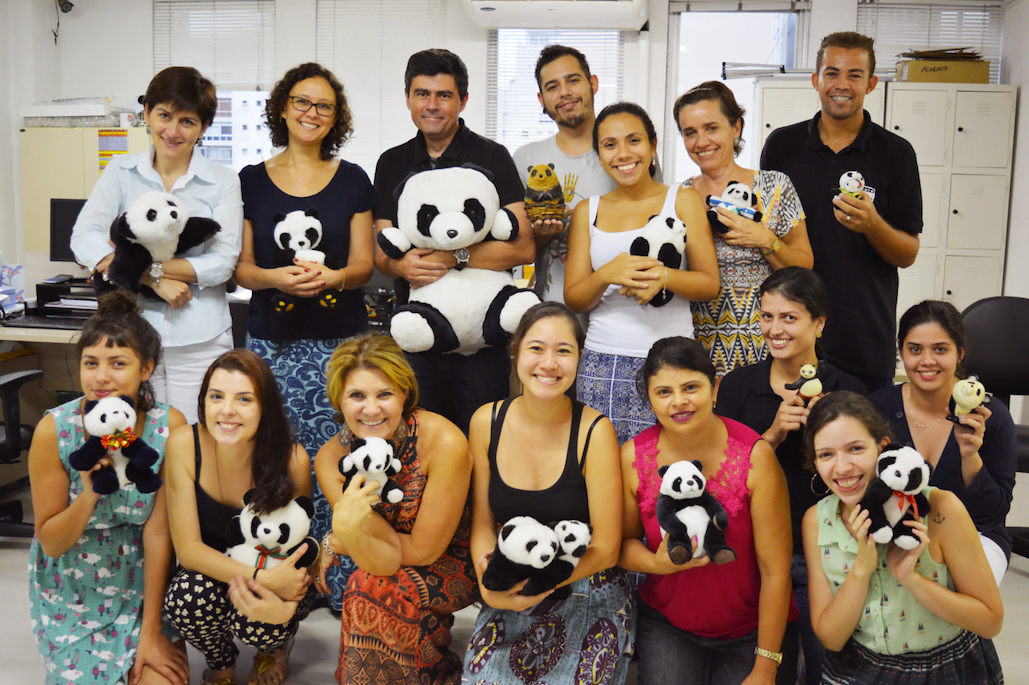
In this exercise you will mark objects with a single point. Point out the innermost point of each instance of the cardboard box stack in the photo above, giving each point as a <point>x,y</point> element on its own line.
<point>947,65</point>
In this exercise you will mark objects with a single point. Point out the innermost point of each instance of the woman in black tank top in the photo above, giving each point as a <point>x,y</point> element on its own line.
<point>544,455</point>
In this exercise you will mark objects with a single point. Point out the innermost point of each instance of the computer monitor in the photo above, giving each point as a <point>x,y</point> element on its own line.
<point>63,214</point>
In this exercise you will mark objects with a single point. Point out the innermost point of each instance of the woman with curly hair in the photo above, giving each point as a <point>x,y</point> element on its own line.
<point>331,200</point>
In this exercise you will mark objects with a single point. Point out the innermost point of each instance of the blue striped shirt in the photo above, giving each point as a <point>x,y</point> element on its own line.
<point>208,190</point>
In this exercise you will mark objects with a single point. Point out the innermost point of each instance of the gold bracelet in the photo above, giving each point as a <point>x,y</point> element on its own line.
<point>768,654</point>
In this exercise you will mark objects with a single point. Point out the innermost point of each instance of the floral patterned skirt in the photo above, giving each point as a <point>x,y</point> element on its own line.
<point>587,639</point>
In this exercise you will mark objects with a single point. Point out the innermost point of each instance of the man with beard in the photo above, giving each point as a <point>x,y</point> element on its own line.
<point>858,240</point>
<point>566,93</point>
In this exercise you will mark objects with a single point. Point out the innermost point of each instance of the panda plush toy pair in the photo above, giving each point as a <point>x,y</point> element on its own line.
<point>686,511</point>
<point>896,496</point>
<point>155,228</point>
<point>544,556</point>
<point>264,540</point>
<point>109,422</point>
<point>738,198</point>
<point>663,238</point>
<point>298,236</point>
<point>373,458</point>
<point>467,309</point>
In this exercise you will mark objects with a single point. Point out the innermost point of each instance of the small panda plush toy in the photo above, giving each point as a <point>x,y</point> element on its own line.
<point>109,422</point>
<point>573,539</point>
<point>373,458</point>
<point>544,199</point>
<point>852,183</point>
<point>896,495</point>
<point>264,540</point>
<point>155,228</point>
<point>809,385</point>
<point>525,548</point>
<point>687,512</point>
<point>968,395</point>
<point>738,198</point>
<point>663,238</point>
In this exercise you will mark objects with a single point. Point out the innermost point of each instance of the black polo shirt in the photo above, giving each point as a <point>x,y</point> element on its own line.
<point>860,336</point>
<point>746,395</point>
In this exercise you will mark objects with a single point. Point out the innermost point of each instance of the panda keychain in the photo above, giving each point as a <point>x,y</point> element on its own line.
<point>738,198</point>
<point>968,395</point>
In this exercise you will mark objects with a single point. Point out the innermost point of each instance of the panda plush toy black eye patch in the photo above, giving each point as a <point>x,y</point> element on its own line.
<point>262,541</point>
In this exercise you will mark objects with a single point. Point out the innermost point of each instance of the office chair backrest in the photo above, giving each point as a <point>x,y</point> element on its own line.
<point>14,435</point>
<point>997,351</point>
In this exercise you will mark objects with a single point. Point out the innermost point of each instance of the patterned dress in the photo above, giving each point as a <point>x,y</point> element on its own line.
<point>87,604</point>
<point>396,629</point>
<point>729,326</point>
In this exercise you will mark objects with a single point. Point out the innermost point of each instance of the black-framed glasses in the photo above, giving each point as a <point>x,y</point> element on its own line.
<point>302,104</point>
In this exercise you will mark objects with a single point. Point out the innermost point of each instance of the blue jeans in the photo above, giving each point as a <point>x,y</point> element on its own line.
<point>812,647</point>
<point>455,385</point>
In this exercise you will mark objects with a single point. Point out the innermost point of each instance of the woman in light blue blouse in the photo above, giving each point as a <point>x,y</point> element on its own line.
<point>192,315</point>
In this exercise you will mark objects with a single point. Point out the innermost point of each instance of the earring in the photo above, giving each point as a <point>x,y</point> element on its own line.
<point>736,141</point>
<point>819,494</point>
<point>818,334</point>
<point>345,435</point>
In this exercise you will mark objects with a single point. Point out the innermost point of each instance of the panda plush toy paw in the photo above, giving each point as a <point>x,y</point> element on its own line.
<point>298,235</point>
<point>467,309</point>
<point>896,496</point>
<point>686,512</point>
<point>968,395</point>
<point>262,541</point>
<point>155,228</point>
<point>373,458</point>
<point>738,198</point>
<point>663,238</point>
<point>109,422</point>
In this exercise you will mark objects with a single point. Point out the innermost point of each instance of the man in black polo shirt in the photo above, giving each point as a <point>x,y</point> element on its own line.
<point>436,85</point>
<point>858,242</point>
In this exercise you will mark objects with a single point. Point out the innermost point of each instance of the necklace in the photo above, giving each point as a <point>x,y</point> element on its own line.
<point>923,426</point>
<point>303,186</point>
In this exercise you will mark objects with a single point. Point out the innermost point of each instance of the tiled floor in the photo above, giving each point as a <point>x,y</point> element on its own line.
<point>317,643</point>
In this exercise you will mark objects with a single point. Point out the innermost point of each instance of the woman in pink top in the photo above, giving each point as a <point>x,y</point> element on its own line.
<point>700,622</point>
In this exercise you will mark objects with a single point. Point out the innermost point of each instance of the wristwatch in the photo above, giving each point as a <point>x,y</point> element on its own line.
<point>769,654</point>
<point>461,255</point>
<point>156,272</point>
<point>776,246</point>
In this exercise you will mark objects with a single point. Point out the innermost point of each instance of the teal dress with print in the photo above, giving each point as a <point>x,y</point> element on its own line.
<point>87,604</point>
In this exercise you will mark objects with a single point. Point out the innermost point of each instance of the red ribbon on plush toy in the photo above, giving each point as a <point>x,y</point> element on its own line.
<point>902,497</point>
<point>117,440</point>
<point>262,560</point>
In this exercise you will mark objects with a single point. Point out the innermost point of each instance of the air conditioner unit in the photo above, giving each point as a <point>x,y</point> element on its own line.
<point>623,15</point>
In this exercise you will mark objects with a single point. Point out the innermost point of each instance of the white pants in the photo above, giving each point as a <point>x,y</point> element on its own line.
<point>995,556</point>
<point>187,365</point>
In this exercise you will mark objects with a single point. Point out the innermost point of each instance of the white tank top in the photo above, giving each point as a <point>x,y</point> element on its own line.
<point>618,324</point>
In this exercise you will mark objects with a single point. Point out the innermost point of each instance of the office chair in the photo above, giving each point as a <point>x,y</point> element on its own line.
<point>14,437</point>
<point>997,330</point>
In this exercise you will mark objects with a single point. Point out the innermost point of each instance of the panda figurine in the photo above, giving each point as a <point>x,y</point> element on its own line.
<point>738,198</point>
<point>298,235</point>
<point>525,547</point>
<point>896,495</point>
<point>467,309</point>
<point>686,511</point>
<point>852,183</point>
<point>663,238</point>
<point>109,422</point>
<point>544,198</point>
<point>264,540</point>
<point>373,458</point>
<point>154,228</point>
<point>968,395</point>
<point>573,538</point>
<point>809,385</point>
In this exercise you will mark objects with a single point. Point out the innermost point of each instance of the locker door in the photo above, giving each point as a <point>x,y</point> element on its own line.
<point>982,125</point>
<point>970,279</point>
<point>917,282</point>
<point>932,209</point>
<point>784,106</point>
<point>920,116</point>
<point>978,212</point>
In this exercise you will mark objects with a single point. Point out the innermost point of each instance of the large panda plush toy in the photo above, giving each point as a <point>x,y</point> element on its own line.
<point>373,458</point>
<point>298,235</point>
<point>467,309</point>
<point>738,198</point>
<point>685,510</point>
<point>663,238</point>
<point>264,540</point>
<point>155,228</point>
<point>544,556</point>
<point>109,422</point>
<point>896,495</point>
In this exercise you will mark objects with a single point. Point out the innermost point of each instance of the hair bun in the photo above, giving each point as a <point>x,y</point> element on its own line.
<point>117,304</point>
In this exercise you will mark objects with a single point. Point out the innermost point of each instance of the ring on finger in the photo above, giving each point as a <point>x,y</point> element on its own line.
<point>846,217</point>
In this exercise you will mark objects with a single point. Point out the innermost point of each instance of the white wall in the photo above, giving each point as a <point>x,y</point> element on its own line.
<point>1016,71</point>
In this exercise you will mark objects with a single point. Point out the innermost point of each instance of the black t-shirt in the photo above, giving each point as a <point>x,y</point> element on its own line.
<point>860,336</point>
<point>348,193</point>
<point>746,395</point>
<point>397,163</point>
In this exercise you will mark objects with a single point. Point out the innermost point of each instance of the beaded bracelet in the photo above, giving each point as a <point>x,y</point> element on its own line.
<point>328,550</point>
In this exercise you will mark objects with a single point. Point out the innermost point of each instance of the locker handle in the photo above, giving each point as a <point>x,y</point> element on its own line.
<point>896,128</point>
<point>768,126</point>
<point>950,292</point>
<point>960,129</point>
<point>955,211</point>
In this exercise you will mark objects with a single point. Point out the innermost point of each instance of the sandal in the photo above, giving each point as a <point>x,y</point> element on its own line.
<point>264,662</point>
<point>205,679</point>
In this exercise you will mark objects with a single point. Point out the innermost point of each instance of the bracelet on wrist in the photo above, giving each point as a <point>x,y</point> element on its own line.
<point>335,556</point>
<point>769,654</point>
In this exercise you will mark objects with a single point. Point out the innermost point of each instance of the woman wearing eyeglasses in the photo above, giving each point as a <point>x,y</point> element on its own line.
<point>306,197</point>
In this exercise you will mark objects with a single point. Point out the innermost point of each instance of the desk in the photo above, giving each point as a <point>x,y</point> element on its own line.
<point>39,335</point>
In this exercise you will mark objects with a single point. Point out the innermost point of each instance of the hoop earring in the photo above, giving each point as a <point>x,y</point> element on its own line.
<point>345,435</point>
<point>819,494</point>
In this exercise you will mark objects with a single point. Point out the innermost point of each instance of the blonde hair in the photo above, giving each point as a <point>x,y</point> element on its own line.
<point>373,351</point>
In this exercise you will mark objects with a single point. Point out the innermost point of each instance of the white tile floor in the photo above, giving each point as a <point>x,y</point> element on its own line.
<point>317,643</point>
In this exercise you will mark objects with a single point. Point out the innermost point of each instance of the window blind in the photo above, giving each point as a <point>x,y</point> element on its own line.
<point>514,116</point>
<point>366,44</point>
<point>231,42</point>
<point>899,27</point>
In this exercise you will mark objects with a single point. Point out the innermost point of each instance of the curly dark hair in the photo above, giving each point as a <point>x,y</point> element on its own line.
<point>279,98</point>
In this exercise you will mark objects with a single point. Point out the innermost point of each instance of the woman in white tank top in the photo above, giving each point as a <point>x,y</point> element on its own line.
<point>616,287</point>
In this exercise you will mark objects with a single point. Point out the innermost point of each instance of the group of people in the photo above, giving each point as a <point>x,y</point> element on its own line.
<point>611,391</point>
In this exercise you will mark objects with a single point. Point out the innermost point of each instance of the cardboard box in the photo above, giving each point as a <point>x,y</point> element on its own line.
<point>939,71</point>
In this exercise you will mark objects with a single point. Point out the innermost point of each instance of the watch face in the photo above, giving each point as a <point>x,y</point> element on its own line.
<point>461,254</point>
<point>156,270</point>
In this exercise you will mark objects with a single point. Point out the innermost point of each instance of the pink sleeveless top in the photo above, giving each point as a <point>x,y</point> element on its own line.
<point>714,601</point>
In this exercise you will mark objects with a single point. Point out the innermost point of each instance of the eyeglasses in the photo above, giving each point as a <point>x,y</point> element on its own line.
<point>302,104</point>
